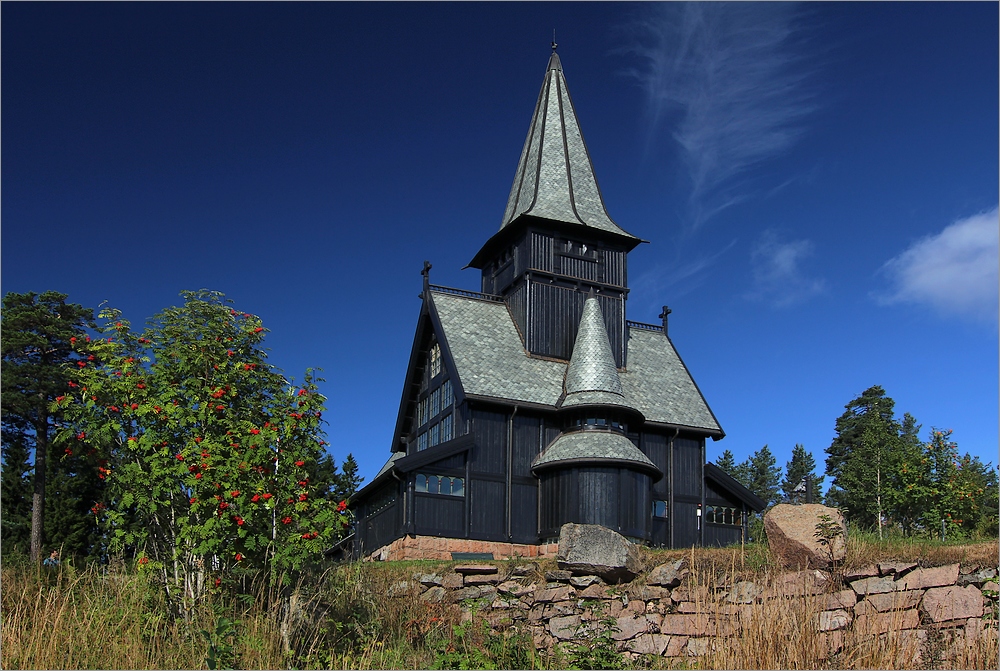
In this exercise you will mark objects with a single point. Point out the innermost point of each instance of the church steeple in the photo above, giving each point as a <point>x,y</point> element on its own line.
<point>556,241</point>
<point>555,179</point>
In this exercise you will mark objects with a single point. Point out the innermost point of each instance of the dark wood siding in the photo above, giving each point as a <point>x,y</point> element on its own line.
<point>684,518</point>
<point>487,509</point>
<point>541,252</point>
<point>490,430</point>
<point>437,515</point>
<point>555,318</point>
<point>526,446</point>
<point>383,526</point>
<point>687,462</point>
<point>612,497</point>
<point>517,304</point>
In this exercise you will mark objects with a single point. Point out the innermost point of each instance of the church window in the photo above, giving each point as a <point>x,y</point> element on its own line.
<point>435,403</point>
<point>446,394</point>
<point>434,361</point>
<point>435,435</point>
<point>440,484</point>
<point>422,442</point>
<point>446,428</point>
<point>660,509</point>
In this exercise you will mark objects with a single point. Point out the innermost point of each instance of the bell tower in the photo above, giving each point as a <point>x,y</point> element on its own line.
<point>556,242</point>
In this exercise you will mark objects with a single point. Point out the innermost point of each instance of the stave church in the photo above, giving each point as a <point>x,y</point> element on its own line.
<point>534,401</point>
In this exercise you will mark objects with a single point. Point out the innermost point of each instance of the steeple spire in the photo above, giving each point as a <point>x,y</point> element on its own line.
<point>555,178</point>
<point>591,377</point>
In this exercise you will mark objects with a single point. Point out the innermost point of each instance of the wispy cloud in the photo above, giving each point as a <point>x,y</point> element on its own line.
<point>954,272</point>
<point>778,278</point>
<point>680,278</point>
<point>727,80</point>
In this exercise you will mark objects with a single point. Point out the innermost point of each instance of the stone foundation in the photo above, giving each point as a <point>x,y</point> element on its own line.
<point>433,547</point>
<point>928,617</point>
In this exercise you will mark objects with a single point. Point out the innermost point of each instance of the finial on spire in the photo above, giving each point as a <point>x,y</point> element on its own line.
<point>554,45</point>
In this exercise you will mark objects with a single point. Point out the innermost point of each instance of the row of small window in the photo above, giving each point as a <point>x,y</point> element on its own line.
<point>440,484</point>
<point>441,432</point>
<point>598,422</point>
<point>723,515</point>
<point>437,401</point>
<point>381,502</point>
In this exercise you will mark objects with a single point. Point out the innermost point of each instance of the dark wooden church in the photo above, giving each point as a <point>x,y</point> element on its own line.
<point>535,402</point>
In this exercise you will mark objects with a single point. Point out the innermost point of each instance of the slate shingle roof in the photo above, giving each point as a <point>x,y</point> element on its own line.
<point>555,178</point>
<point>491,362</point>
<point>584,446</point>
<point>592,377</point>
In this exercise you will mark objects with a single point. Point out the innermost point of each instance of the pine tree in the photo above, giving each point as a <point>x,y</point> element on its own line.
<point>38,332</point>
<point>15,495</point>
<point>763,475</point>
<point>349,479</point>
<point>727,463</point>
<point>801,465</point>
<point>865,457</point>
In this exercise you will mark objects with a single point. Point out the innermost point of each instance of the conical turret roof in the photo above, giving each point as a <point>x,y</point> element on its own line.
<point>592,377</point>
<point>555,178</point>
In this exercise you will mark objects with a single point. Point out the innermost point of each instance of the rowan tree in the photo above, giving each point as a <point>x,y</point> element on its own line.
<point>207,450</point>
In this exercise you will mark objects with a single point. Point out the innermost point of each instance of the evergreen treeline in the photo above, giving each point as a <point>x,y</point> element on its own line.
<point>882,474</point>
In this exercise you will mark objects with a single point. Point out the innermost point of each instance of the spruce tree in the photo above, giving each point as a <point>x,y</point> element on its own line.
<point>763,475</point>
<point>38,333</point>
<point>15,495</point>
<point>727,463</point>
<point>801,465</point>
<point>349,480</point>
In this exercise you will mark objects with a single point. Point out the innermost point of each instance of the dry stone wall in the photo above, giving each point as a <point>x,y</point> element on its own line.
<point>933,612</point>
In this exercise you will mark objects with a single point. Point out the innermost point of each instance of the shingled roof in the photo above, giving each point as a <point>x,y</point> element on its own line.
<point>592,378</point>
<point>594,447</point>
<point>555,178</point>
<point>491,363</point>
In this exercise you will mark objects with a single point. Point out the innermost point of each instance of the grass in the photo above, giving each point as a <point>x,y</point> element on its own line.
<point>340,618</point>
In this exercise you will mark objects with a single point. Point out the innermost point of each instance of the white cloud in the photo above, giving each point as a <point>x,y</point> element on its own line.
<point>954,272</point>
<point>777,274</point>
<point>729,75</point>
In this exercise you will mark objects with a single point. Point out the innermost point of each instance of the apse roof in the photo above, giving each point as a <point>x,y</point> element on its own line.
<point>593,446</point>
<point>491,363</point>
<point>555,178</point>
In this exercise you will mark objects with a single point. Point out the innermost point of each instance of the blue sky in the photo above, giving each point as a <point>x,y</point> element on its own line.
<point>818,183</point>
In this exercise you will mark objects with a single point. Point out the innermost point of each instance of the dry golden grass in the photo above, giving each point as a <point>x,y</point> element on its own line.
<point>343,619</point>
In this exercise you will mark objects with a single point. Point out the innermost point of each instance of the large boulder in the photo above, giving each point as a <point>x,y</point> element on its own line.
<point>590,549</point>
<point>791,533</point>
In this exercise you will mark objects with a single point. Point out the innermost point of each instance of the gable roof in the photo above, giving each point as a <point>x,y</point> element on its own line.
<point>491,363</point>
<point>735,487</point>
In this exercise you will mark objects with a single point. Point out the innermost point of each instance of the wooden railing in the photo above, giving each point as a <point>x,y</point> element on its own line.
<point>466,294</point>
<point>643,326</point>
